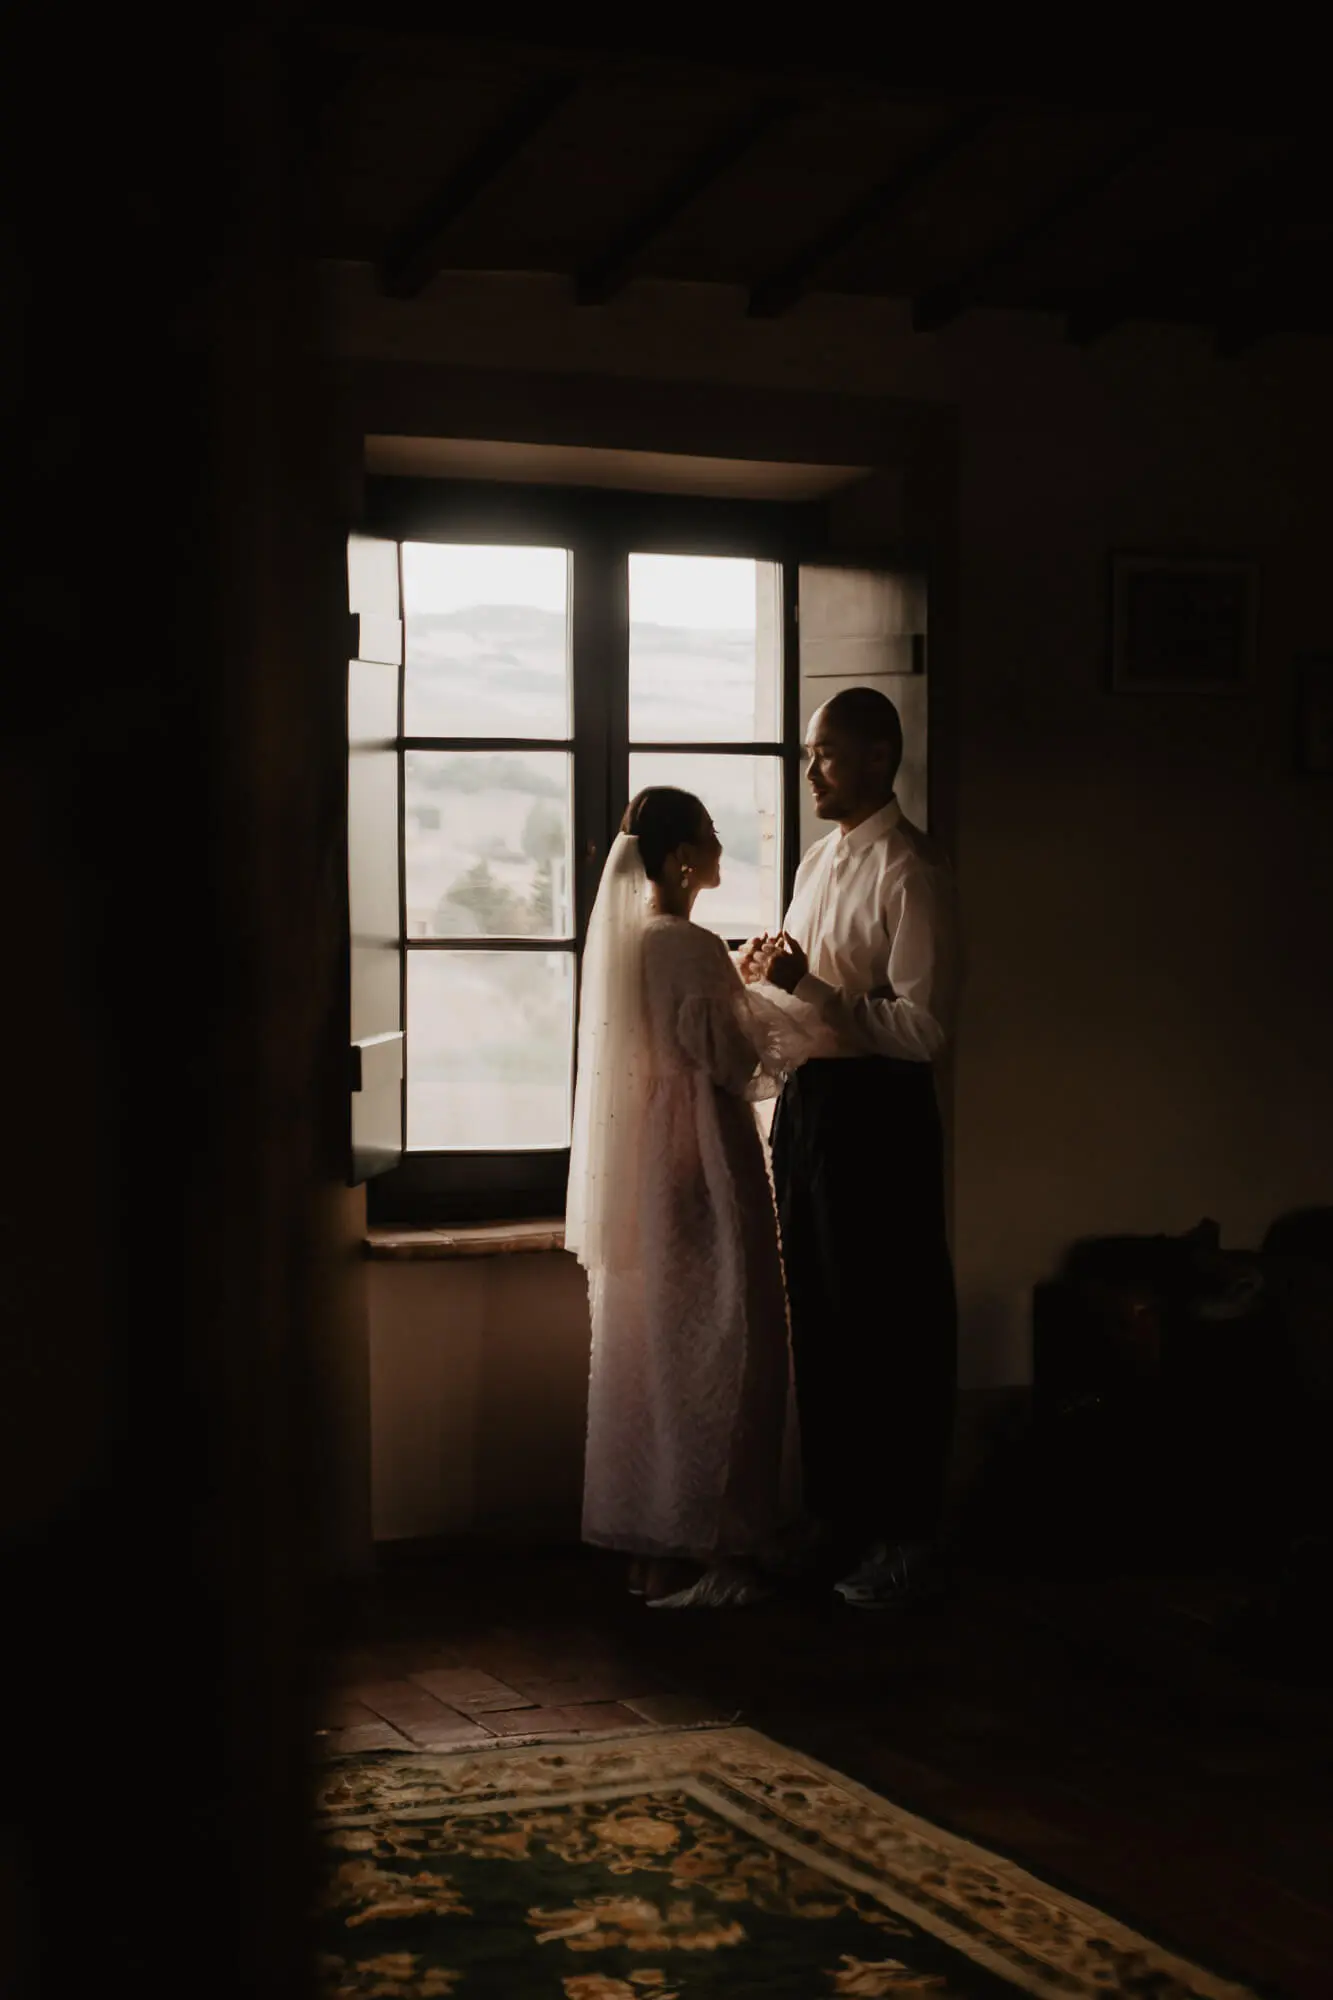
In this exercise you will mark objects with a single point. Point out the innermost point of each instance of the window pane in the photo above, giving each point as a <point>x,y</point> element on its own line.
<point>743,795</point>
<point>487,640</point>
<point>490,1038</point>
<point>488,844</point>
<point>705,650</point>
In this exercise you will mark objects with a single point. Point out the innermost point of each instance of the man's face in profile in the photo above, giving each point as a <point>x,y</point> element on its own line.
<point>846,775</point>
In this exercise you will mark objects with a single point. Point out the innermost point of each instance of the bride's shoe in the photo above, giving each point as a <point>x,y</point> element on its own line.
<point>724,1587</point>
<point>659,1576</point>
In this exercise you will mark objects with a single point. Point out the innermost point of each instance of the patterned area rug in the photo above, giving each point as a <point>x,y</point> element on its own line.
<point>683,1864</point>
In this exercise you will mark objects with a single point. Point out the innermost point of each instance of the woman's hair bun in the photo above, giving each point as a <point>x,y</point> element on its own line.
<point>662,819</point>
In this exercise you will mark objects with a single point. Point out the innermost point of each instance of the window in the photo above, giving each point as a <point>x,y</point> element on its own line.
<point>488,789</point>
<point>705,714</point>
<point>553,659</point>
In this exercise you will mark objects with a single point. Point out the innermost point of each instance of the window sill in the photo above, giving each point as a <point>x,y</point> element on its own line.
<point>479,1239</point>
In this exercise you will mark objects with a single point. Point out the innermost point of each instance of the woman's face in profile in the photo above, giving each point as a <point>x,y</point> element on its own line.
<point>704,856</point>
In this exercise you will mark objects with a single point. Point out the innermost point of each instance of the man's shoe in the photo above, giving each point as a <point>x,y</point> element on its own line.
<point>868,1571</point>
<point>894,1578</point>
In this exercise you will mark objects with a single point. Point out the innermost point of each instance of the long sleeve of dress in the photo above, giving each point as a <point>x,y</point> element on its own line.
<point>727,1032</point>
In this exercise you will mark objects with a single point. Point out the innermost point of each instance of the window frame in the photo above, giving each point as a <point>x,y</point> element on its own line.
<point>601,527</point>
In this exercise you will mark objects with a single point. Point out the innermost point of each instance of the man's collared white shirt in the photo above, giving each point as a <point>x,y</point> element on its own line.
<point>875,908</point>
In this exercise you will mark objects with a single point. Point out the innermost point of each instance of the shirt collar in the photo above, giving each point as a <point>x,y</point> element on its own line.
<point>870,829</point>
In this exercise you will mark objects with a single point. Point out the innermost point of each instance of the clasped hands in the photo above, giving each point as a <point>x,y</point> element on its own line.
<point>780,960</point>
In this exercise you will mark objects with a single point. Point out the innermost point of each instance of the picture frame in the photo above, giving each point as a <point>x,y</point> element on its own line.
<point>1183,624</point>
<point>1314,716</point>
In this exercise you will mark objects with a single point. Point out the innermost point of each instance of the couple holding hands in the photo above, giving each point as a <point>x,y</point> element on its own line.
<point>761,1367</point>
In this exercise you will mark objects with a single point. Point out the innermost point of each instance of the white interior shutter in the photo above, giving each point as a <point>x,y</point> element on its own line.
<point>374,887</point>
<point>866,627</point>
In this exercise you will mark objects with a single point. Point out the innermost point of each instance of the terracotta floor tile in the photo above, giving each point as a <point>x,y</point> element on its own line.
<point>591,1717</point>
<point>676,1711</point>
<point>567,1692</point>
<point>418,1715</point>
<point>521,1667</point>
<point>470,1691</point>
<point>361,1737</point>
<point>342,1711</point>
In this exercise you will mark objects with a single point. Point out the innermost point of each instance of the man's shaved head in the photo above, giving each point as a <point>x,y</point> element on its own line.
<point>868,714</point>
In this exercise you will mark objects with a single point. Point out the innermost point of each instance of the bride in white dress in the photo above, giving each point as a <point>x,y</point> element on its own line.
<point>691,1449</point>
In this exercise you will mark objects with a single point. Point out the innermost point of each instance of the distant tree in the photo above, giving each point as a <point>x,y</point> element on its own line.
<point>543,832</point>
<point>543,841</point>
<point>541,903</point>
<point>499,913</point>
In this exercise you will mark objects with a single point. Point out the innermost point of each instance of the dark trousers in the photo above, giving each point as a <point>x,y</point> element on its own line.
<point>858,1168</point>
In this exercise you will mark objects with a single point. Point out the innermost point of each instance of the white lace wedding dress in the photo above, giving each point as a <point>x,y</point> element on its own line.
<point>692,1446</point>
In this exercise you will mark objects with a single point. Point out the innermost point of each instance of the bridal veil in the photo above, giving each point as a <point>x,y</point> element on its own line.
<point>602,1215</point>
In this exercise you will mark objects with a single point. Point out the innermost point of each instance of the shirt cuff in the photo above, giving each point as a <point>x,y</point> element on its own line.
<point>816,993</point>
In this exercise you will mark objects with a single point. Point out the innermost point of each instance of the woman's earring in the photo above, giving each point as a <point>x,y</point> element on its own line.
<point>685,874</point>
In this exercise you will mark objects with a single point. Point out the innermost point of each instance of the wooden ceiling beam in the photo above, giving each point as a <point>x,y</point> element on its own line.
<point>326,104</point>
<point>608,273</point>
<point>419,254</point>
<point>781,288</point>
<point>940,304</point>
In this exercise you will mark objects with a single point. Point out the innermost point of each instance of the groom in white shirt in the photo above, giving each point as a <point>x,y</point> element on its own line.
<point>868,953</point>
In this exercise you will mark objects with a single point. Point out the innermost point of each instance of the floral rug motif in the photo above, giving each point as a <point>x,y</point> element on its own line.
<point>688,1864</point>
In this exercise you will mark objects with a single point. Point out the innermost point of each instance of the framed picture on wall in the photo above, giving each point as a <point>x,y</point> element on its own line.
<point>1314,716</point>
<point>1182,625</point>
